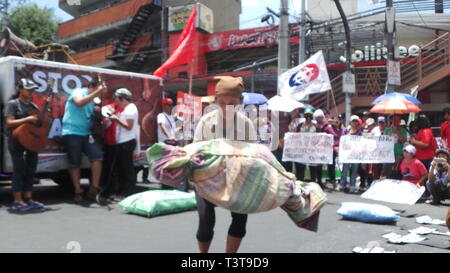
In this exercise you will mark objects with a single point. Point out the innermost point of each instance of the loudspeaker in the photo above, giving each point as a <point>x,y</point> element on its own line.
<point>7,41</point>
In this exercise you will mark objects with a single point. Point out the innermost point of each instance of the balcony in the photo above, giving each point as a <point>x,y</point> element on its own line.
<point>99,55</point>
<point>122,12</point>
<point>93,56</point>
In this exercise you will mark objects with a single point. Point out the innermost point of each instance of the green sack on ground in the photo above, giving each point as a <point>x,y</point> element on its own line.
<point>159,202</point>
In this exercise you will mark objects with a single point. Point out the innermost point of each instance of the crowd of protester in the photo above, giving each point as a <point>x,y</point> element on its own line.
<point>419,158</point>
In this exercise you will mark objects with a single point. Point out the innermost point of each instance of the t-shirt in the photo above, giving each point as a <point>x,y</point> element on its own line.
<point>376,131</point>
<point>18,109</point>
<point>77,120</point>
<point>122,134</point>
<point>398,146</point>
<point>111,127</point>
<point>426,136</point>
<point>167,120</point>
<point>412,171</point>
<point>445,132</point>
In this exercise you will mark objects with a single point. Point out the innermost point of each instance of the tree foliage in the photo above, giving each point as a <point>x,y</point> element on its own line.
<point>34,24</point>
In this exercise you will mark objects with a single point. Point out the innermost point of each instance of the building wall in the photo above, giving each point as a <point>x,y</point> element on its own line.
<point>226,13</point>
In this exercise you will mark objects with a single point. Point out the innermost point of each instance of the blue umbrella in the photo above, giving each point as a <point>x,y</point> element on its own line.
<point>396,95</point>
<point>254,98</point>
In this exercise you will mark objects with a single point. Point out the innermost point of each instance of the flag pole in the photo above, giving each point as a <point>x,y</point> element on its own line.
<point>190,75</point>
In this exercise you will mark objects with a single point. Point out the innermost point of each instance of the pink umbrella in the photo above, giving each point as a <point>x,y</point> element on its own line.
<point>395,106</point>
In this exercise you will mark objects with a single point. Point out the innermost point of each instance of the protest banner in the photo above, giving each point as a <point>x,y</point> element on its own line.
<point>366,149</point>
<point>189,105</point>
<point>394,191</point>
<point>308,148</point>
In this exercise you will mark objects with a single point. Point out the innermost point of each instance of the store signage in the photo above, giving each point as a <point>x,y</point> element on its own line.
<point>178,17</point>
<point>247,38</point>
<point>378,52</point>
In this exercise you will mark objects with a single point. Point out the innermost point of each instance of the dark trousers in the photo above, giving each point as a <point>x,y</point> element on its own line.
<point>278,153</point>
<point>427,163</point>
<point>315,171</point>
<point>118,173</point>
<point>24,167</point>
<point>332,168</point>
<point>207,221</point>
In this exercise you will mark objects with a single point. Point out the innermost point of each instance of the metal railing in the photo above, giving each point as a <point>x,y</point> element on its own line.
<point>433,57</point>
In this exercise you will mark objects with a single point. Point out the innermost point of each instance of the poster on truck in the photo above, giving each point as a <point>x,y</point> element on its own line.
<point>60,80</point>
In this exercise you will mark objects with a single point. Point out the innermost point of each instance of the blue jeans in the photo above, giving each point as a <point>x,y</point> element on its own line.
<point>75,145</point>
<point>24,167</point>
<point>353,174</point>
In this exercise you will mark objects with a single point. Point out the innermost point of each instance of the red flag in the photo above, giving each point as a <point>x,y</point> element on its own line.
<point>184,49</point>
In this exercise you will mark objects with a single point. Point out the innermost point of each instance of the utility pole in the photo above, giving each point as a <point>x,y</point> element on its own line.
<point>302,40</point>
<point>302,35</point>
<point>389,34</point>
<point>348,62</point>
<point>283,45</point>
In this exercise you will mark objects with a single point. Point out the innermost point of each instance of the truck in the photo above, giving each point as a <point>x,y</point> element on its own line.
<point>59,80</point>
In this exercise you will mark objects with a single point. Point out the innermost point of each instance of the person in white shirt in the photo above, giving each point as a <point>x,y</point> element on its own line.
<point>379,130</point>
<point>126,141</point>
<point>166,123</point>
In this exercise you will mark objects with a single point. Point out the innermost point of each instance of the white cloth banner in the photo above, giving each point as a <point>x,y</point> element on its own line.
<point>308,148</point>
<point>394,191</point>
<point>366,149</point>
<point>307,78</point>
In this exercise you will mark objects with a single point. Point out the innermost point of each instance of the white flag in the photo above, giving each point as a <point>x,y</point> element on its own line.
<point>307,78</point>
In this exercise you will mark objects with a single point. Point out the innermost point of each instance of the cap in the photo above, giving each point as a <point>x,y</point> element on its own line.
<point>308,111</point>
<point>443,151</point>
<point>410,149</point>
<point>167,101</point>
<point>370,121</point>
<point>402,122</point>
<point>228,85</point>
<point>123,93</point>
<point>381,119</point>
<point>354,117</point>
<point>27,84</point>
<point>318,114</point>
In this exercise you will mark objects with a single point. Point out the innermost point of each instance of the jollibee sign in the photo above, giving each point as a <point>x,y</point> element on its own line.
<point>377,52</point>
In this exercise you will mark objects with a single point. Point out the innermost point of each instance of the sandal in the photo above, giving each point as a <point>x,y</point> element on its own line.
<point>35,205</point>
<point>432,202</point>
<point>78,196</point>
<point>19,207</point>
<point>93,192</point>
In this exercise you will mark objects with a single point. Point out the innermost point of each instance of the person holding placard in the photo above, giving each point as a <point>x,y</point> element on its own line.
<point>305,125</point>
<point>335,129</point>
<point>355,129</point>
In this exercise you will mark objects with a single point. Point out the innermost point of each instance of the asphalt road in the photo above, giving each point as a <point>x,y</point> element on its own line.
<point>65,227</point>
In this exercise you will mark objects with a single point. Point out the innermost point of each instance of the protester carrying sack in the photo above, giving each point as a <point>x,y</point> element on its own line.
<point>240,176</point>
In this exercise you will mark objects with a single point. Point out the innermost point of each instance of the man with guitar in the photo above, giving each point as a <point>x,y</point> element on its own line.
<point>18,113</point>
<point>77,137</point>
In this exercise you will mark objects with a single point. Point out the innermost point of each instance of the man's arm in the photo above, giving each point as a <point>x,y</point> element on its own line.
<point>431,175</point>
<point>166,131</point>
<point>421,182</point>
<point>128,124</point>
<point>12,122</point>
<point>81,101</point>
